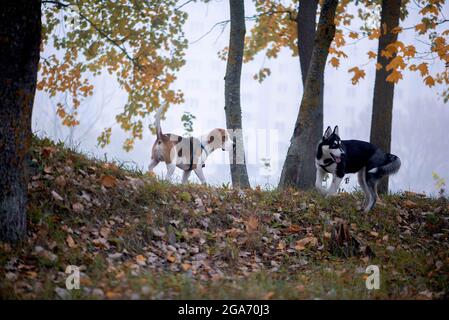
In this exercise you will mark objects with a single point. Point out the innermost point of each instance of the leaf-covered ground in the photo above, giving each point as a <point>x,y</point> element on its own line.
<point>134,237</point>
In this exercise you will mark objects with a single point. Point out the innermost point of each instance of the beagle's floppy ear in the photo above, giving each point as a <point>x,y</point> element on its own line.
<point>336,130</point>
<point>327,133</point>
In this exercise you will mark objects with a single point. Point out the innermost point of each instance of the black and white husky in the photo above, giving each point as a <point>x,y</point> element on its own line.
<point>339,157</point>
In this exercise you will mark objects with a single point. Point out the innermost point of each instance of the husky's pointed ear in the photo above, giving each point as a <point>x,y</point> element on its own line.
<point>336,130</point>
<point>327,133</point>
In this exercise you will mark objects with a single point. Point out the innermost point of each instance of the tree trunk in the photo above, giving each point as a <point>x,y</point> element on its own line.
<point>20,34</point>
<point>233,109</point>
<point>299,167</point>
<point>382,117</point>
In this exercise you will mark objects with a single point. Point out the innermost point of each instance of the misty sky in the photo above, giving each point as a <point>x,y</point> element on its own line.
<point>420,117</point>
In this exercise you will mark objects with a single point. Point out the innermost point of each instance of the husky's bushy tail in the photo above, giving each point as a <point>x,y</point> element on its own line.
<point>392,166</point>
<point>157,123</point>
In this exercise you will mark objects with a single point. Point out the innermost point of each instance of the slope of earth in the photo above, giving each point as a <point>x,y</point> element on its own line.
<point>134,237</point>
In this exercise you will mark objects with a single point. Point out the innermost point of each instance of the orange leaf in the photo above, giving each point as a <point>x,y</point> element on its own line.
<point>334,62</point>
<point>429,81</point>
<point>252,224</point>
<point>371,54</point>
<point>421,28</point>
<point>358,74</point>
<point>307,241</point>
<point>353,35</point>
<point>108,181</point>
<point>423,69</point>
<point>396,63</point>
<point>394,76</point>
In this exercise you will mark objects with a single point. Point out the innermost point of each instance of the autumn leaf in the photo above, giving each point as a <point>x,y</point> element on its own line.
<point>252,224</point>
<point>70,242</point>
<point>307,241</point>
<point>396,63</point>
<point>421,28</point>
<point>371,54</point>
<point>186,266</point>
<point>353,35</point>
<point>141,260</point>
<point>423,68</point>
<point>429,81</point>
<point>374,34</point>
<point>335,62</point>
<point>171,257</point>
<point>358,74</point>
<point>108,181</point>
<point>293,228</point>
<point>394,76</point>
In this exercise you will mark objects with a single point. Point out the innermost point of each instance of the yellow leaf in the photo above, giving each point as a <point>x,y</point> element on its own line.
<point>353,35</point>
<point>378,66</point>
<point>394,76</point>
<point>421,28</point>
<point>358,74</point>
<point>396,63</point>
<point>409,51</point>
<point>429,81</point>
<point>375,34</point>
<point>371,54</point>
<point>423,69</point>
<point>335,62</point>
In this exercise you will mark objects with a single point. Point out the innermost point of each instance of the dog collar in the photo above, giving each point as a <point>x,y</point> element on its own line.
<point>324,166</point>
<point>204,148</point>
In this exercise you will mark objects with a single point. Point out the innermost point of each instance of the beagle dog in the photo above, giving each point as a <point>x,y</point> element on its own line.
<point>186,153</point>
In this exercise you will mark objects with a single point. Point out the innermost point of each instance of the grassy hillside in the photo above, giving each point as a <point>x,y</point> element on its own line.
<point>136,237</point>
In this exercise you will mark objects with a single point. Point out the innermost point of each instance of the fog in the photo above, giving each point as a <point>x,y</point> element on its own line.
<point>269,110</point>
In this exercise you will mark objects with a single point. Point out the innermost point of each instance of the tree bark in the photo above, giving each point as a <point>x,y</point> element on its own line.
<point>382,117</point>
<point>20,35</point>
<point>239,173</point>
<point>299,167</point>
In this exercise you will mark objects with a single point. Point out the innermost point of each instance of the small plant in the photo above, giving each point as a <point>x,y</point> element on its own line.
<point>440,184</point>
<point>187,121</point>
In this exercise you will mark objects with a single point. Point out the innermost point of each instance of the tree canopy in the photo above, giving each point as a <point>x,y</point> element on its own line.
<point>141,43</point>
